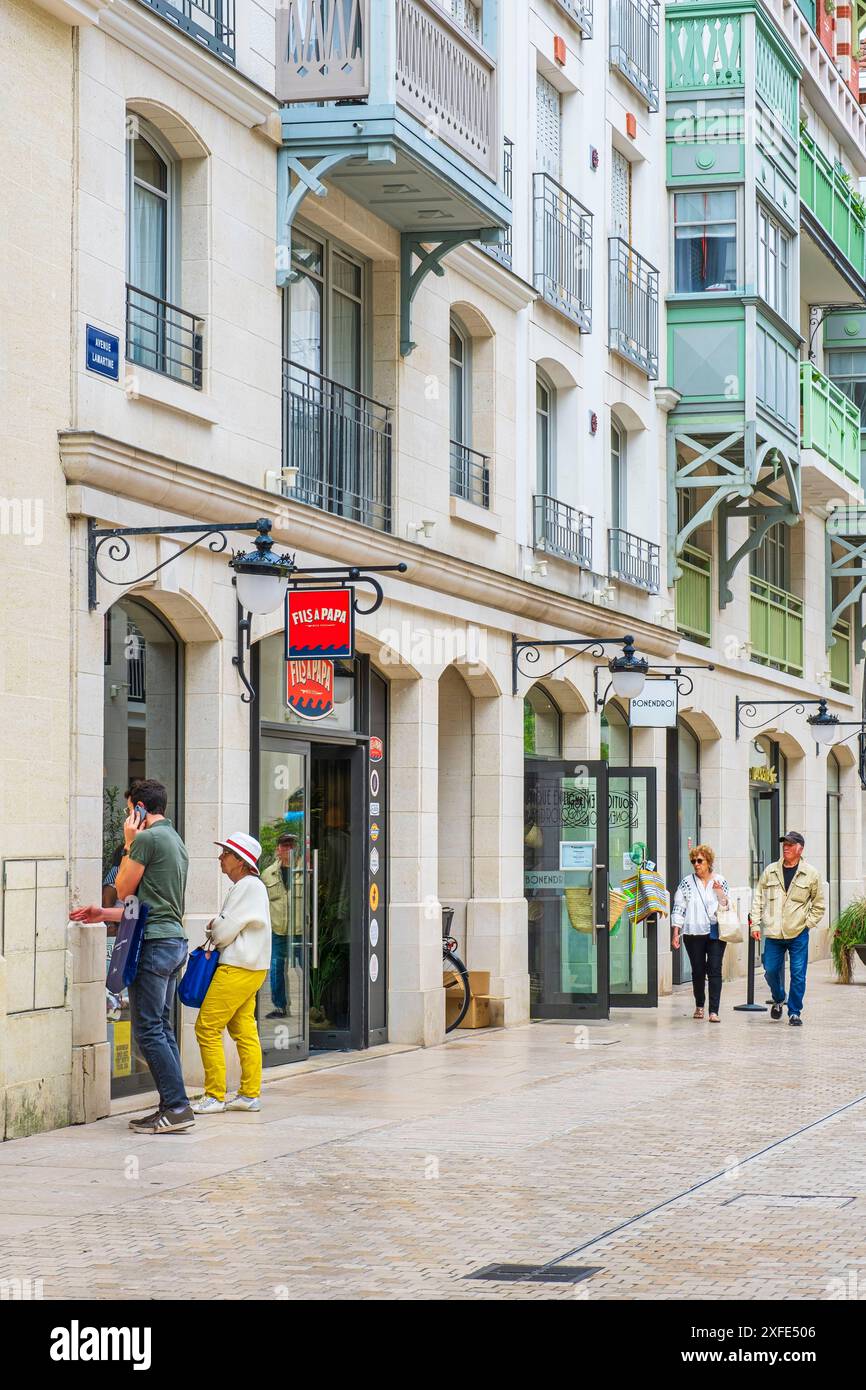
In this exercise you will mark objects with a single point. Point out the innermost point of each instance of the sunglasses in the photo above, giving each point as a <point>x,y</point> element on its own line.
<point>699,860</point>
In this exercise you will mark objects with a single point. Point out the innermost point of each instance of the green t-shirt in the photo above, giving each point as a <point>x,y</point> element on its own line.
<point>163,883</point>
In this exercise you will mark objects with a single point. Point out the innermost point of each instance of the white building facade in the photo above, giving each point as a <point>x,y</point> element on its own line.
<point>492,291</point>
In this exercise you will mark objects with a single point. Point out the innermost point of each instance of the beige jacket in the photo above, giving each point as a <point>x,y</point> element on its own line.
<point>278,898</point>
<point>785,915</point>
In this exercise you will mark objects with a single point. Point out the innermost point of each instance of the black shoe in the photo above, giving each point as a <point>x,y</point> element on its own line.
<point>167,1122</point>
<point>795,1021</point>
<point>276,1013</point>
<point>145,1123</point>
<point>776,1012</point>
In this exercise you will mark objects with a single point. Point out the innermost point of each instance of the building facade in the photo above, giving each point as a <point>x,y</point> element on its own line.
<point>559,307</point>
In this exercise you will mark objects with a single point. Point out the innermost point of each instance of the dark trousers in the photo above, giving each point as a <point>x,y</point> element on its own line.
<point>706,957</point>
<point>151,1005</point>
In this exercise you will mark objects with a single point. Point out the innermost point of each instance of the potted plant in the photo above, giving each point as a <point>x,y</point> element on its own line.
<point>848,936</point>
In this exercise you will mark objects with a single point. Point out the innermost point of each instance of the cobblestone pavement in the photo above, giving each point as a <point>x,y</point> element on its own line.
<point>679,1159</point>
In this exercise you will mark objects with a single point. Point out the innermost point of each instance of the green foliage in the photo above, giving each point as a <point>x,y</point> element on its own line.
<point>848,931</point>
<point>113,816</point>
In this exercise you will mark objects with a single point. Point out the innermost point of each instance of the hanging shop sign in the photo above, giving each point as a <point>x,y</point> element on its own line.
<point>763,774</point>
<point>320,623</point>
<point>310,688</point>
<point>656,708</point>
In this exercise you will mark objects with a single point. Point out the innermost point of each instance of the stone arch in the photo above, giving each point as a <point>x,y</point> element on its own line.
<point>183,140</point>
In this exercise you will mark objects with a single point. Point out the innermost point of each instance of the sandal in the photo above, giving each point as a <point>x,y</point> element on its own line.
<point>698,1013</point>
<point>714,1018</point>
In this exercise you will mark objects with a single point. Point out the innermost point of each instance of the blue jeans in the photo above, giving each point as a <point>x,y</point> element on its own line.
<point>151,1005</point>
<point>279,956</point>
<point>774,968</point>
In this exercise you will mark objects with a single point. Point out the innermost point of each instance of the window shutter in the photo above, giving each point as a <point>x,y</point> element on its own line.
<point>620,197</point>
<point>548,128</point>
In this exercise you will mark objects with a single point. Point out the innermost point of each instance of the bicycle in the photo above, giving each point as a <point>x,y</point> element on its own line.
<point>455,976</point>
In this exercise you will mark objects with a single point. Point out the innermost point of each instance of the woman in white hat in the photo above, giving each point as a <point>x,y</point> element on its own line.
<point>242,935</point>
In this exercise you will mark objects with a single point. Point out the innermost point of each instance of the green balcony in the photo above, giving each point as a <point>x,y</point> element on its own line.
<point>776,627</point>
<point>840,657</point>
<point>830,422</point>
<point>694,595</point>
<point>835,206</point>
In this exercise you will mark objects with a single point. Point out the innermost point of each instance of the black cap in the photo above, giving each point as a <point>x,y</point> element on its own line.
<point>793,837</point>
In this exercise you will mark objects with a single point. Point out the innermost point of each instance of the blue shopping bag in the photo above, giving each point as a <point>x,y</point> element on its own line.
<point>197,977</point>
<point>125,954</point>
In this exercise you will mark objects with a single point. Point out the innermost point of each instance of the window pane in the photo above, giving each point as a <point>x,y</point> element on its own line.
<point>347,276</point>
<point>148,268</point>
<point>306,254</point>
<point>148,165</point>
<point>305,323</point>
<point>346,341</point>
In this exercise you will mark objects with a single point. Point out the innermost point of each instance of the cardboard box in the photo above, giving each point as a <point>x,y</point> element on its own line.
<point>478,1013</point>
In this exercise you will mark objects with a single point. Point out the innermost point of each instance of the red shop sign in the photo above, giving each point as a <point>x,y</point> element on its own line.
<point>310,688</point>
<point>320,622</point>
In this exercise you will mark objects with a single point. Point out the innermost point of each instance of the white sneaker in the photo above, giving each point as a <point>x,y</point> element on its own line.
<point>240,1102</point>
<point>208,1105</point>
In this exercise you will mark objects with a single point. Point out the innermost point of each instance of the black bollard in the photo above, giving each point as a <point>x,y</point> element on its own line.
<point>750,1006</point>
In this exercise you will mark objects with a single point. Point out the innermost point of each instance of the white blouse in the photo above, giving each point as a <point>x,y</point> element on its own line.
<point>696,906</point>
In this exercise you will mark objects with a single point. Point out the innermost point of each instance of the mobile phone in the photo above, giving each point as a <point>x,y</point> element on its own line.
<point>141,813</point>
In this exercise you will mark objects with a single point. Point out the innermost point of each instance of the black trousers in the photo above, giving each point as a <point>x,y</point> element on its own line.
<point>706,957</point>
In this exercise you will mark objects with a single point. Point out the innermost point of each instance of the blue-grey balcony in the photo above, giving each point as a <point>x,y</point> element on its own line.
<point>396,104</point>
<point>209,22</point>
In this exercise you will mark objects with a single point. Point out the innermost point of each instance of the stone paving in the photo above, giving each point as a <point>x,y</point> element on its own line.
<point>663,1151</point>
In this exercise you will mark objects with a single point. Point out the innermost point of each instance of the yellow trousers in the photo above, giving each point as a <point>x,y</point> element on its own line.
<point>231,1003</point>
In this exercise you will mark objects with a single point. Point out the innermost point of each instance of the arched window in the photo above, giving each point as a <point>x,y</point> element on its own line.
<point>615,736</point>
<point>151,251</point>
<point>460,362</point>
<point>545,440</point>
<point>618,509</point>
<point>542,725</point>
<point>142,737</point>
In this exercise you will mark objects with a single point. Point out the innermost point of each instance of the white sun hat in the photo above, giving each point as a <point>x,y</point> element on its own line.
<point>244,846</point>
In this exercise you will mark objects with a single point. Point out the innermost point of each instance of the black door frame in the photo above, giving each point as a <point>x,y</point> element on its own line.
<point>651,998</point>
<point>599,1005</point>
<point>299,746</point>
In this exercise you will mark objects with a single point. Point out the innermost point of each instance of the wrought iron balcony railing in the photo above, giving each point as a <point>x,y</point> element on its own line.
<point>503,251</point>
<point>633,560</point>
<point>562,530</point>
<point>163,338</point>
<point>470,474</point>
<point>634,307</point>
<point>563,250</point>
<point>340,441</point>
<point>580,11</point>
<point>634,45</point>
<point>211,22</point>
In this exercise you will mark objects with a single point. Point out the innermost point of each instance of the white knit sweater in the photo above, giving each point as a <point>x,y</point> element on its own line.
<point>242,931</point>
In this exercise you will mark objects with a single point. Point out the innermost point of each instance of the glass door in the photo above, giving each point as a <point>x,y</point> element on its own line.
<point>283,829</point>
<point>632,803</point>
<point>764,838</point>
<point>565,881</point>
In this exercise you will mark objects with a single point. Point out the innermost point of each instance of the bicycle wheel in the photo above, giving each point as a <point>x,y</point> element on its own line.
<point>453,965</point>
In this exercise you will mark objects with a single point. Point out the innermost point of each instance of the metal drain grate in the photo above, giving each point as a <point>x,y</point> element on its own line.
<point>759,1201</point>
<point>536,1274</point>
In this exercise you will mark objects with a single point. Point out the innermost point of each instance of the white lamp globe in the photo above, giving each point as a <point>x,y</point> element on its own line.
<point>261,593</point>
<point>824,729</point>
<point>628,684</point>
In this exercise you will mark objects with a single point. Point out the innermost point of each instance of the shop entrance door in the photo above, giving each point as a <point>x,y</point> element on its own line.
<point>283,798</point>
<point>577,966</point>
<point>764,837</point>
<point>337,962</point>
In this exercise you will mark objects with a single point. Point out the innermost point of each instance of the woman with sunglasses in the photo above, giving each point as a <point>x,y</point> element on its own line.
<point>695,916</point>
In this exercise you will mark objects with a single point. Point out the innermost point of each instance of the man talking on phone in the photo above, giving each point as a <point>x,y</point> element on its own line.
<point>154,869</point>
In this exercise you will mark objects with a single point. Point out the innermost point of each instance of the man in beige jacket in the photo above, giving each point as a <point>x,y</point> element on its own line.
<point>788,902</point>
